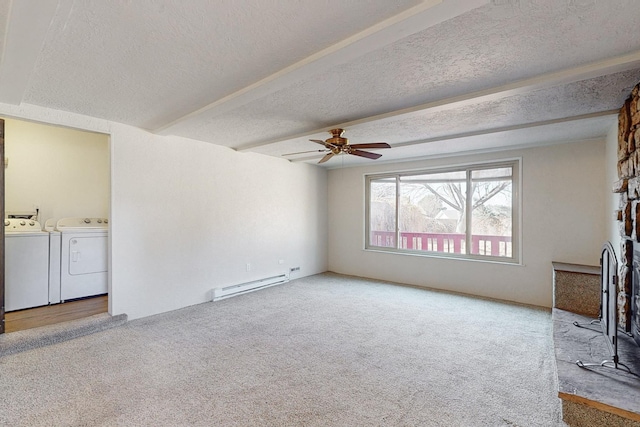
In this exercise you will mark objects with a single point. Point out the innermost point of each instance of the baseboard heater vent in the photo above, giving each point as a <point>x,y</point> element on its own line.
<point>243,288</point>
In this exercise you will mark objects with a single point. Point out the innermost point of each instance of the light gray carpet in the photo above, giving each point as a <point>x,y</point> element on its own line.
<point>326,350</point>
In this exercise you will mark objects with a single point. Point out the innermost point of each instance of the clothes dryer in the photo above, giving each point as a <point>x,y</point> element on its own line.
<point>26,264</point>
<point>83,257</point>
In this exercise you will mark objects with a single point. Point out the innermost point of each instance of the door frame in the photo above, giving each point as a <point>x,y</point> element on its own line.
<point>2,228</point>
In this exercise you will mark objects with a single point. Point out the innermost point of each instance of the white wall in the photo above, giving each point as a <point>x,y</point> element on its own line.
<point>563,219</point>
<point>63,171</point>
<point>190,216</point>
<point>187,216</point>
<point>613,199</point>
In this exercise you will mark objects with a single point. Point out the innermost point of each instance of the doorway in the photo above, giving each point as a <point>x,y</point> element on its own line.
<point>52,172</point>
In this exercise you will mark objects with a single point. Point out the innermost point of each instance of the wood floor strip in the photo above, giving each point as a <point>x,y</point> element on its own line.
<point>57,313</point>
<point>598,405</point>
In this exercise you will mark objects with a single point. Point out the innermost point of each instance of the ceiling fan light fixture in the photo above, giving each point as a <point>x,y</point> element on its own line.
<point>338,144</point>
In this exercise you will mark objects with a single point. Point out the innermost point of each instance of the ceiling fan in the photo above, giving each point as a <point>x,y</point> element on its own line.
<point>338,144</point>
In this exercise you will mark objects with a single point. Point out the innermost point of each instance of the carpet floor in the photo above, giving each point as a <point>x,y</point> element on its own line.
<point>325,350</point>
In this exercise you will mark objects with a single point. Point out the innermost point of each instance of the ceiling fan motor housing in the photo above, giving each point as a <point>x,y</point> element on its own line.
<point>337,143</point>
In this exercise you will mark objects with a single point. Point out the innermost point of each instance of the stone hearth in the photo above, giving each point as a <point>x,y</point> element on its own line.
<point>593,397</point>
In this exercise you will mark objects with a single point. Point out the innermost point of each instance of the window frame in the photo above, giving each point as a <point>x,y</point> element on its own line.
<point>516,205</point>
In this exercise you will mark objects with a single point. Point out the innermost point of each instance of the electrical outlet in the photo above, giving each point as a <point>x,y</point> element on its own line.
<point>291,270</point>
<point>281,262</point>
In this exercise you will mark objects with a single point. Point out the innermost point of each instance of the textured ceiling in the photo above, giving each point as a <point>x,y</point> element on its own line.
<point>432,78</point>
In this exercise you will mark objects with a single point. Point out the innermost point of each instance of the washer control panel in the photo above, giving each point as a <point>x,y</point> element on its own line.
<point>21,225</point>
<point>84,223</point>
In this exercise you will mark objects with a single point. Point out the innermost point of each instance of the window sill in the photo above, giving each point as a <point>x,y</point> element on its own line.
<point>453,257</point>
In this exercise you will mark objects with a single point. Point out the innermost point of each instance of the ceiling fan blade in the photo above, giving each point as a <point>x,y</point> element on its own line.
<point>304,152</point>
<point>371,145</point>
<point>325,143</point>
<point>366,154</point>
<point>327,157</point>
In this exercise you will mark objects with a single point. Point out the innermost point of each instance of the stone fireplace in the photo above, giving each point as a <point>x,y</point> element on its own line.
<point>628,187</point>
<point>591,395</point>
<point>635,298</point>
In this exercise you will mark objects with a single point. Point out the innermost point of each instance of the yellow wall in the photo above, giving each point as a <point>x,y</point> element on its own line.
<point>63,171</point>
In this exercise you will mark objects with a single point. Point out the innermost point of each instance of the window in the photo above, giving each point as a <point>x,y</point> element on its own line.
<point>463,212</point>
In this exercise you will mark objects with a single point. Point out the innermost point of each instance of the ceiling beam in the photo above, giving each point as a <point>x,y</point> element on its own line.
<point>612,113</point>
<point>27,27</point>
<point>463,153</point>
<point>418,18</point>
<point>592,70</point>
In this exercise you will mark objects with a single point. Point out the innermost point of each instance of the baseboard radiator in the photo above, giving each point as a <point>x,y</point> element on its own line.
<point>243,288</point>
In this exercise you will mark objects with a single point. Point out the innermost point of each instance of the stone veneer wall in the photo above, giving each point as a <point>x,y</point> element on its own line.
<point>628,186</point>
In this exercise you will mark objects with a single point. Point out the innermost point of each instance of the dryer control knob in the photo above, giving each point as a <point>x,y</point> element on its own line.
<point>99,221</point>
<point>7,222</point>
<point>31,223</point>
<point>23,223</point>
<point>87,221</point>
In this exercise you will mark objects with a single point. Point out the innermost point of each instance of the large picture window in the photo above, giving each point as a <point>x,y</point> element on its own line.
<point>464,212</point>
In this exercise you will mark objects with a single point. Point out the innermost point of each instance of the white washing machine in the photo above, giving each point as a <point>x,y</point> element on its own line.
<point>26,264</point>
<point>83,257</point>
